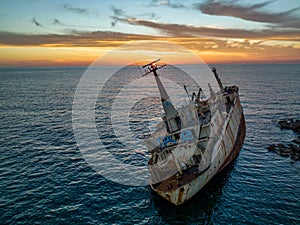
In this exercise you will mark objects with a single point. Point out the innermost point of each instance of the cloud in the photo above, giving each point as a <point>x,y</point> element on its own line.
<point>214,50</point>
<point>72,9</point>
<point>112,39</point>
<point>250,13</point>
<point>117,12</point>
<point>36,23</point>
<point>150,16</point>
<point>57,22</point>
<point>73,39</point>
<point>182,30</point>
<point>120,13</point>
<point>167,3</point>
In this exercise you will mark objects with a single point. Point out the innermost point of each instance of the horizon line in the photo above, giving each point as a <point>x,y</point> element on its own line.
<point>288,62</point>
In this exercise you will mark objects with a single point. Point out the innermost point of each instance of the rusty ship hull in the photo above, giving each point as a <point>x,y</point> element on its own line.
<point>194,142</point>
<point>229,145</point>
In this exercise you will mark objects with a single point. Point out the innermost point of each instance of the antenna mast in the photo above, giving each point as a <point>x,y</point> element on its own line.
<point>218,79</point>
<point>171,117</point>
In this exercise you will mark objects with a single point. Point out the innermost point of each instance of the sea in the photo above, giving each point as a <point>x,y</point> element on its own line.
<point>46,178</point>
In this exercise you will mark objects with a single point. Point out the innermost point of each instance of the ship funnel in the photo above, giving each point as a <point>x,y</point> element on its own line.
<point>171,117</point>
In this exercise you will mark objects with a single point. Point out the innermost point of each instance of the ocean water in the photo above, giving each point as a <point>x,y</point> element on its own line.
<point>45,179</point>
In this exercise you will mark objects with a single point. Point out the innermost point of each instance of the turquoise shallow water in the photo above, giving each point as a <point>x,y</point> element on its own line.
<point>45,180</point>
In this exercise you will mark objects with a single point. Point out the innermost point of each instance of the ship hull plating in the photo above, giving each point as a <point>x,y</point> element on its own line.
<point>194,142</point>
<point>227,148</point>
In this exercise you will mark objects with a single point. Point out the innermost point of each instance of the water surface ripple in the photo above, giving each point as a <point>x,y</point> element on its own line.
<point>45,180</point>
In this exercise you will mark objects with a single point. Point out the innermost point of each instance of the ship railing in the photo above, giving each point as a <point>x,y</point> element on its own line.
<point>163,153</point>
<point>161,150</point>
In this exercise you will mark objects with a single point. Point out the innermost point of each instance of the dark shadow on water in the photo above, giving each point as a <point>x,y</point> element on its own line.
<point>199,209</point>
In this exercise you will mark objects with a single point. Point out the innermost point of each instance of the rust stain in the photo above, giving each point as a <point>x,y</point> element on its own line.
<point>181,186</point>
<point>238,144</point>
<point>168,197</point>
<point>181,190</point>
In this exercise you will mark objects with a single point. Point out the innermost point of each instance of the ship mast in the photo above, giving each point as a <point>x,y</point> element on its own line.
<point>171,117</point>
<point>218,79</point>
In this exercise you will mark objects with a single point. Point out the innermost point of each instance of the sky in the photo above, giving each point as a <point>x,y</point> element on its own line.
<point>66,33</point>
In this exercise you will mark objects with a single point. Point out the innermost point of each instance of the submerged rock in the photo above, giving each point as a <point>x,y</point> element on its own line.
<point>290,124</point>
<point>294,152</point>
<point>271,147</point>
<point>290,150</point>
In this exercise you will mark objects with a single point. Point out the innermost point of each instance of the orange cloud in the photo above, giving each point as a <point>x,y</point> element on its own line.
<point>83,48</point>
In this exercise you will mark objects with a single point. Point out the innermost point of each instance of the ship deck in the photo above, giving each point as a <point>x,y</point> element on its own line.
<point>178,180</point>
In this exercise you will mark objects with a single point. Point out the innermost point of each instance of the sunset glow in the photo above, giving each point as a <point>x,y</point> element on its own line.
<point>77,33</point>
